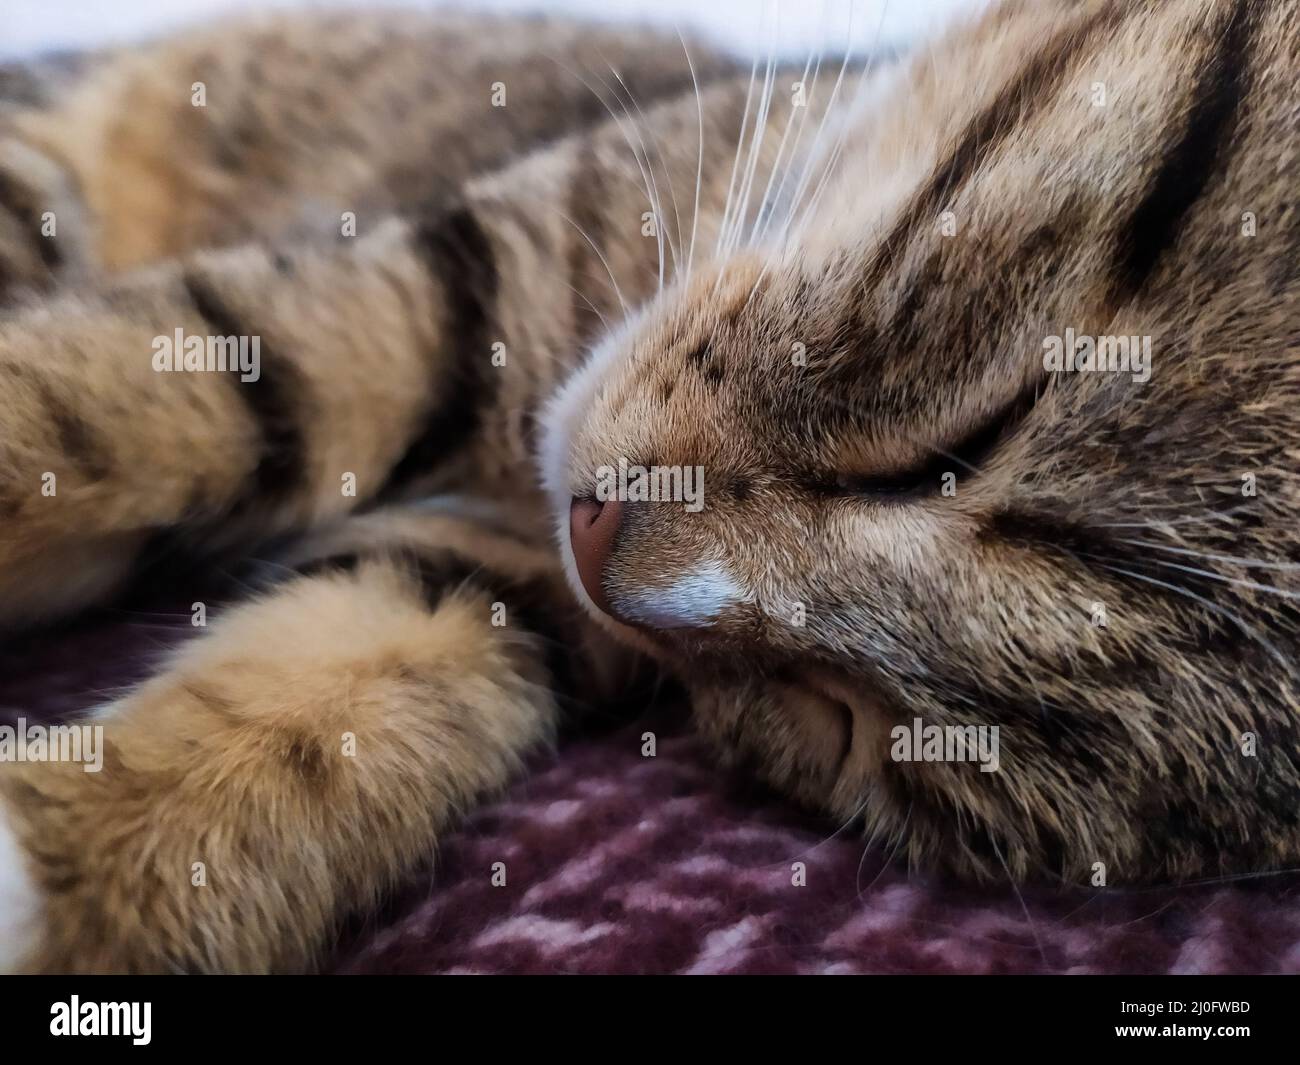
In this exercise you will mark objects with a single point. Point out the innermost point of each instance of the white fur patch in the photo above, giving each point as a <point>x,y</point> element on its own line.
<point>691,601</point>
<point>20,903</point>
<point>471,508</point>
<point>560,419</point>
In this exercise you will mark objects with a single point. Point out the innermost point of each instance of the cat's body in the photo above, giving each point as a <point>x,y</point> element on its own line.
<point>835,354</point>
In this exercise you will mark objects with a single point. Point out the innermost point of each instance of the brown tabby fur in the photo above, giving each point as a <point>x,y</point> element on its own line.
<point>866,596</point>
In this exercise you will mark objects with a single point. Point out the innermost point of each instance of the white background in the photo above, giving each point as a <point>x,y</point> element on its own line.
<point>787,27</point>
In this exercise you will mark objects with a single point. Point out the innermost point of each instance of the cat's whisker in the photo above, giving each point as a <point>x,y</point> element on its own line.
<point>735,165</point>
<point>765,201</point>
<point>656,200</point>
<point>757,139</point>
<point>1209,515</point>
<point>643,124</point>
<point>749,210</point>
<point>699,157</point>
<point>120,612</point>
<point>1122,890</point>
<point>970,467</point>
<point>877,826</point>
<point>1245,628</point>
<point>564,359</point>
<point>772,201</point>
<point>1033,928</point>
<point>1227,878</point>
<point>636,156</point>
<point>775,202</point>
<point>828,168</point>
<point>603,261</point>
<point>848,823</point>
<point>1247,563</point>
<point>604,322</point>
<point>1253,585</point>
<point>900,837</point>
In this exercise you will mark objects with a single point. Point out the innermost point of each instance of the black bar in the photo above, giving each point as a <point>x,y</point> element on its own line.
<point>873,1014</point>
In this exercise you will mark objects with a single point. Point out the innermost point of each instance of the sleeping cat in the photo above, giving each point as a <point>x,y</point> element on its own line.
<point>578,348</point>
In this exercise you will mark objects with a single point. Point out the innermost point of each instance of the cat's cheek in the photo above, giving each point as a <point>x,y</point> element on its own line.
<point>20,902</point>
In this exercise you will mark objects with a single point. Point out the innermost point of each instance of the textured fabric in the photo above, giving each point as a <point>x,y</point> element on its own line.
<point>615,862</point>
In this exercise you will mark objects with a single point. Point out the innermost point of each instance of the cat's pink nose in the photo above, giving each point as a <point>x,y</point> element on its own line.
<point>592,528</point>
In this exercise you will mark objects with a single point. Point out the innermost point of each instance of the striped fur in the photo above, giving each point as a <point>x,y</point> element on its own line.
<point>966,205</point>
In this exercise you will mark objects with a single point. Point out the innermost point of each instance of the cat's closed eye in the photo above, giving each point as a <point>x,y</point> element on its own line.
<point>965,457</point>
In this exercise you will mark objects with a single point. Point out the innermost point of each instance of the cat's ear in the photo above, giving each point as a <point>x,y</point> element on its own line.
<point>43,223</point>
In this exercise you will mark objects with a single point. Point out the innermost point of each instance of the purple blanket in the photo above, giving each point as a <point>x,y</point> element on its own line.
<point>614,862</point>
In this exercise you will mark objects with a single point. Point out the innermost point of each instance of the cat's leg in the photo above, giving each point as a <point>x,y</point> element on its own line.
<point>290,765</point>
<point>260,128</point>
<point>426,345</point>
<point>117,424</point>
<point>42,230</point>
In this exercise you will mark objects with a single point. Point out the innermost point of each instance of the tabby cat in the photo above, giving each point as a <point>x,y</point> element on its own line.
<point>486,262</point>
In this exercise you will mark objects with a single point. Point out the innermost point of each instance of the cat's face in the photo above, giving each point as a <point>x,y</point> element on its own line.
<point>827,571</point>
<point>909,519</point>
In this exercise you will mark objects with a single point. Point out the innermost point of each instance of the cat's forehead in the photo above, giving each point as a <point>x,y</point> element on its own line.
<point>786,351</point>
